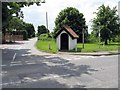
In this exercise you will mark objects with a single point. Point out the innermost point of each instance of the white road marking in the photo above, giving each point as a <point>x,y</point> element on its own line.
<point>31,63</point>
<point>18,82</point>
<point>14,57</point>
<point>15,64</point>
<point>3,65</point>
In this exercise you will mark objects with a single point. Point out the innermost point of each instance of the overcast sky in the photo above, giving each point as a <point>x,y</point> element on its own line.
<point>37,14</point>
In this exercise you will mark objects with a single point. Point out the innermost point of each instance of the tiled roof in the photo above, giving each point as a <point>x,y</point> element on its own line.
<point>69,31</point>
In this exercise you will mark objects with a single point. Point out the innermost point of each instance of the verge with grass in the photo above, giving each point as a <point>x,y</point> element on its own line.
<point>43,45</point>
<point>93,47</point>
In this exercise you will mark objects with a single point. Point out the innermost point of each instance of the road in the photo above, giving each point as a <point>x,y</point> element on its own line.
<point>23,66</point>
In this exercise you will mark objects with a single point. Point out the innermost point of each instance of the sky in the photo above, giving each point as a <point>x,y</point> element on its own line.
<point>37,14</point>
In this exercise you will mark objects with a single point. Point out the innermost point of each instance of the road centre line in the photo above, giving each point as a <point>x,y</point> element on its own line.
<point>14,56</point>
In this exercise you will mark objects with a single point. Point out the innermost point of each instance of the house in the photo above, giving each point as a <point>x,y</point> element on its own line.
<point>66,38</point>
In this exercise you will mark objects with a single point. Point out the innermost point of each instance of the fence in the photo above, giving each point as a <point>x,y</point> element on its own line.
<point>9,37</point>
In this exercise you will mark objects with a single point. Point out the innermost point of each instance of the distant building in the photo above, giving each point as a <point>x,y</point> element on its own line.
<point>66,38</point>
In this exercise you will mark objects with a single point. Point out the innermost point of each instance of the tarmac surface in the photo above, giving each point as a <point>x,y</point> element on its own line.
<point>23,66</point>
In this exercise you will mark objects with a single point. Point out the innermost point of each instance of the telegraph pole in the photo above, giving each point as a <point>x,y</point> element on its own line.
<point>48,31</point>
<point>46,20</point>
<point>83,38</point>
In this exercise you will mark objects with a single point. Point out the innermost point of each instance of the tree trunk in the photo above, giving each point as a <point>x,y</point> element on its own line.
<point>106,42</point>
<point>3,38</point>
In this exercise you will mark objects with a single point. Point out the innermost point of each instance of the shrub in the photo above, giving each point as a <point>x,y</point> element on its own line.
<point>45,37</point>
<point>25,35</point>
<point>117,38</point>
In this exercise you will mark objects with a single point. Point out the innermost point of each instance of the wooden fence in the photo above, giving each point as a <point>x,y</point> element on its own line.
<point>9,37</point>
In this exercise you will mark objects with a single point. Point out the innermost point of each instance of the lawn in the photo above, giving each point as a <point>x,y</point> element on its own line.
<point>43,45</point>
<point>94,47</point>
<point>88,47</point>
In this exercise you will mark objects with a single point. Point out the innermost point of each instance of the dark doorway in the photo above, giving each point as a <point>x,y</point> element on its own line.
<point>64,41</point>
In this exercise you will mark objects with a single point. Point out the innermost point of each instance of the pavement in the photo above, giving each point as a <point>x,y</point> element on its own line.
<point>23,66</point>
<point>104,53</point>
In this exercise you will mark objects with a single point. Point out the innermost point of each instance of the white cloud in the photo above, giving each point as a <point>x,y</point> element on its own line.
<point>36,14</point>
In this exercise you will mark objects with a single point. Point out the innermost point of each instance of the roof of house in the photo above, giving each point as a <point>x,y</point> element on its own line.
<point>69,31</point>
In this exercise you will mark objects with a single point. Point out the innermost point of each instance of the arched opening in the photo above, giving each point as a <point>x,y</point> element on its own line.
<point>64,41</point>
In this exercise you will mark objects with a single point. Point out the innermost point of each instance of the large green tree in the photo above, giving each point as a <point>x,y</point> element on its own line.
<point>106,23</point>
<point>73,18</point>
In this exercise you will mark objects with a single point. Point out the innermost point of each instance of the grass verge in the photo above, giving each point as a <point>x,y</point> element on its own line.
<point>88,47</point>
<point>93,47</point>
<point>43,45</point>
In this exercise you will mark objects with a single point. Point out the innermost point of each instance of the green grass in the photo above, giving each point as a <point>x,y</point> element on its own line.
<point>43,45</point>
<point>88,47</point>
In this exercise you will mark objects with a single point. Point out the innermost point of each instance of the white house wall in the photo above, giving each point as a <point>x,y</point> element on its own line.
<point>72,43</point>
<point>58,42</point>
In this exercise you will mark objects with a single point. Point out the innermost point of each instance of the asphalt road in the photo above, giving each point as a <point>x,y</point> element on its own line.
<point>23,66</point>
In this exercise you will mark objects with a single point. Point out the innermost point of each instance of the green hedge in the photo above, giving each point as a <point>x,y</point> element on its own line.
<point>25,35</point>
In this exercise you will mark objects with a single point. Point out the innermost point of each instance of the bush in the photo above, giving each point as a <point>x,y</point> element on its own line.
<point>92,38</point>
<point>117,38</point>
<point>25,35</point>
<point>45,37</point>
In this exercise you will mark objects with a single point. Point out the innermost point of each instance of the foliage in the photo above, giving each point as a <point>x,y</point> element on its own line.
<point>30,30</point>
<point>45,37</point>
<point>15,23</point>
<point>116,38</point>
<point>9,10</point>
<point>18,24</point>
<point>42,29</point>
<point>25,35</point>
<point>92,38</point>
<point>73,18</point>
<point>106,21</point>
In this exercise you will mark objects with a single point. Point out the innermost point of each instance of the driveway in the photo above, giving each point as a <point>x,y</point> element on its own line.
<point>23,66</point>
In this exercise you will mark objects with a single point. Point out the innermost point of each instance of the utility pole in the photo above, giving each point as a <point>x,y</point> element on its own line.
<point>46,20</point>
<point>83,38</point>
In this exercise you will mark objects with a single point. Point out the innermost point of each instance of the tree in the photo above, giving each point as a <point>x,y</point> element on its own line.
<point>73,18</point>
<point>30,29</point>
<point>106,21</point>
<point>12,8</point>
<point>92,37</point>
<point>42,29</point>
<point>16,23</point>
